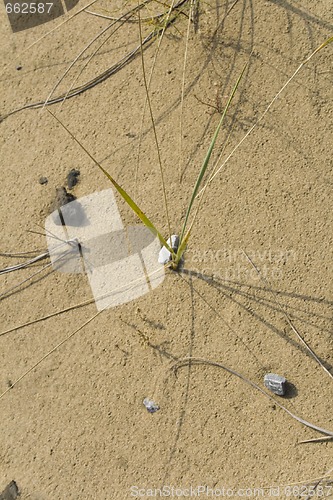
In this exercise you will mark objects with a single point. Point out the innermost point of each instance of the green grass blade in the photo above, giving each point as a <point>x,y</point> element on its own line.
<point>183,244</point>
<point>207,158</point>
<point>329,40</point>
<point>184,239</point>
<point>147,222</point>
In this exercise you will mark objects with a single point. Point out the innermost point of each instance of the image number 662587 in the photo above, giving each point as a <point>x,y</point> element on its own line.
<point>23,15</point>
<point>29,8</point>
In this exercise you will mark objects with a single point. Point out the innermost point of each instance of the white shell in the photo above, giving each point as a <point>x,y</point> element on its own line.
<point>150,405</point>
<point>164,255</point>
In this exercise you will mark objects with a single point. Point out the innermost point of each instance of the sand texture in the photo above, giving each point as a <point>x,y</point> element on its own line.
<point>75,427</point>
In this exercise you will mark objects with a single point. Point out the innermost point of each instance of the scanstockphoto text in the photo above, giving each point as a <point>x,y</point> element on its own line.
<point>191,491</point>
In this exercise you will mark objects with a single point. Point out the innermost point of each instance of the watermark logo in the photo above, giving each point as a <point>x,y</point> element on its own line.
<point>23,14</point>
<point>87,236</point>
<point>233,264</point>
<point>293,491</point>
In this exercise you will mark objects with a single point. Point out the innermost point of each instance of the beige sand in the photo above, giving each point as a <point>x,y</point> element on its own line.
<point>75,428</point>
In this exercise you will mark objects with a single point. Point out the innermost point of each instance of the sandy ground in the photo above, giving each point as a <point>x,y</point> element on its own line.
<point>75,427</point>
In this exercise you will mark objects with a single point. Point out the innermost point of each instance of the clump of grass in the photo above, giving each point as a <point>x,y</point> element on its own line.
<point>176,255</point>
<point>160,23</point>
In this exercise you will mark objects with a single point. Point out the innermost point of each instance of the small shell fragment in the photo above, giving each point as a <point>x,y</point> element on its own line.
<point>164,255</point>
<point>275,383</point>
<point>151,406</point>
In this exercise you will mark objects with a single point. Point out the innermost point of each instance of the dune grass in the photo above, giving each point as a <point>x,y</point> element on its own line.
<point>205,176</point>
<point>177,255</point>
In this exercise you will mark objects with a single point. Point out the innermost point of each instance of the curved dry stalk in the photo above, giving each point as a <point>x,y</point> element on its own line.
<point>88,85</point>
<point>44,256</point>
<point>27,263</point>
<point>88,60</point>
<point>101,33</point>
<point>123,19</point>
<point>93,82</point>
<point>196,360</point>
<point>17,285</point>
<point>48,99</point>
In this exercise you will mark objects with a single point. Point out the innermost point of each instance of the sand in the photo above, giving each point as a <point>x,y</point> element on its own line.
<point>75,427</point>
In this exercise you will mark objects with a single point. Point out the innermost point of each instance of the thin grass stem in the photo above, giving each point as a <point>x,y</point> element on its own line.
<point>63,341</point>
<point>153,122</point>
<point>287,317</point>
<point>123,19</point>
<point>149,84</point>
<point>181,124</point>
<point>329,40</point>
